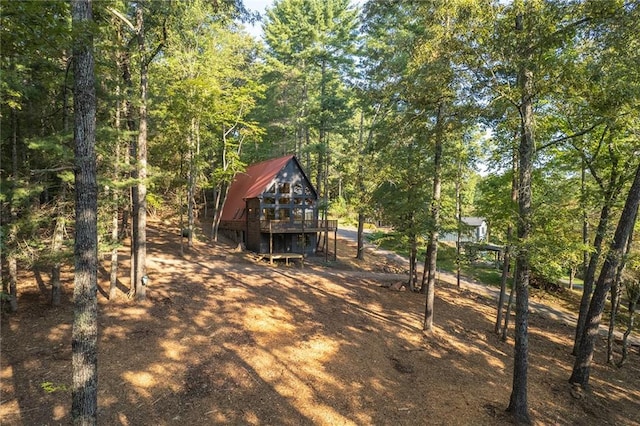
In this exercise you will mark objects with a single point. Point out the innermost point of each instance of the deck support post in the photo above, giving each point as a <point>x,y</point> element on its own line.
<point>270,244</point>
<point>304,240</point>
<point>326,240</point>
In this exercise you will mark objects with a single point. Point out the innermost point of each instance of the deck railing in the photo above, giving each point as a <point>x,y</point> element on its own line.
<point>275,226</point>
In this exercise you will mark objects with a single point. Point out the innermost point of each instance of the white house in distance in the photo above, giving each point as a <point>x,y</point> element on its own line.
<point>474,230</point>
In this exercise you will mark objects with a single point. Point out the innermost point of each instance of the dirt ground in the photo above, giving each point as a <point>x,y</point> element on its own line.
<point>225,339</point>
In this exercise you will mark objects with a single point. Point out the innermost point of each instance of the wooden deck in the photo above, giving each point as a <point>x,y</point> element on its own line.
<point>285,256</point>
<point>286,226</point>
<point>282,226</point>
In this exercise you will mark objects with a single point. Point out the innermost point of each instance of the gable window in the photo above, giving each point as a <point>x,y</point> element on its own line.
<point>284,188</point>
<point>269,214</point>
<point>284,214</point>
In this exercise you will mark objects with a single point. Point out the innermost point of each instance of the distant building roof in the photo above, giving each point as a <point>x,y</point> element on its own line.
<point>251,183</point>
<point>473,221</point>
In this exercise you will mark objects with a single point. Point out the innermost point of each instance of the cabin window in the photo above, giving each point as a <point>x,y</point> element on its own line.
<point>308,215</point>
<point>298,200</point>
<point>307,190</point>
<point>308,201</point>
<point>297,215</point>
<point>284,214</point>
<point>284,200</point>
<point>269,214</point>
<point>268,200</point>
<point>272,189</point>
<point>284,188</point>
<point>297,189</point>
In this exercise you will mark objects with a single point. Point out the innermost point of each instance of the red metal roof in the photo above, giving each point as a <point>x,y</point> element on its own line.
<point>250,184</point>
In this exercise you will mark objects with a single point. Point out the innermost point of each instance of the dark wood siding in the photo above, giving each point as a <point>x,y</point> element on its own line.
<point>282,215</point>
<point>253,225</point>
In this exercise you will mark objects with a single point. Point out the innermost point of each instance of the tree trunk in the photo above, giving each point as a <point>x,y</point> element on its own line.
<point>572,274</point>
<point>217,213</point>
<point>587,287</point>
<point>503,281</point>
<point>518,404</point>
<point>425,271</point>
<point>584,357</point>
<point>12,259</point>
<point>360,249</point>
<point>326,201</point>
<point>506,264</point>
<point>223,193</point>
<point>507,315</point>
<point>135,206</point>
<point>130,154</point>
<point>191,184</point>
<point>13,282</point>
<point>56,247</point>
<point>616,292</point>
<point>413,262</point>
<point>85,325</point>
<point>141,210</point>
<point>113,274</point>
<point>633,295</point>
<point>193,142</point>
<point>458,220</point>
<point>435,218</point>
<point>322,137</point>
<point>361,189</point>
<point>615,304</point>
<point>56,288</point>
<point>585,219</point>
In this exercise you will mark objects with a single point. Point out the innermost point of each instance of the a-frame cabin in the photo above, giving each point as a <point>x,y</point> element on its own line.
<point>273,209</point>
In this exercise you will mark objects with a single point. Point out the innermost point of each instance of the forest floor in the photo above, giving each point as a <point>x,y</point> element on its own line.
<point>226,339</point>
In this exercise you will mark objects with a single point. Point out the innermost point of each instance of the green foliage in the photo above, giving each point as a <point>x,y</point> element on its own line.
<point>393,241</point>
<point>50,387</point>
<point>204,142</point>
<point>417,69</point>
<point>360,103</point>
<point>309,62</point>
<point>339,208</point>
<point>484,272</point>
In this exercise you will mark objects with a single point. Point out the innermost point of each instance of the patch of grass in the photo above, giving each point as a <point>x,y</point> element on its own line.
<point>490,276</point>
<point>391,241</point>
<point>50,387</point>
<point>576,280</point>
<point>446,257</point>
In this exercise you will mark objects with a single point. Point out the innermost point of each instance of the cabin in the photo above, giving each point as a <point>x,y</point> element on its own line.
<point>474,236</point>
<point>272,208</point>
<point>474,230</point>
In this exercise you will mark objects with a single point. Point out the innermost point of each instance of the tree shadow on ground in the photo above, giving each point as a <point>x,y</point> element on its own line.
<point>221,340</point>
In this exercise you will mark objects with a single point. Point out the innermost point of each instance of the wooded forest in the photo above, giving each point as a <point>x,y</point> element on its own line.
<point>410,113</point>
